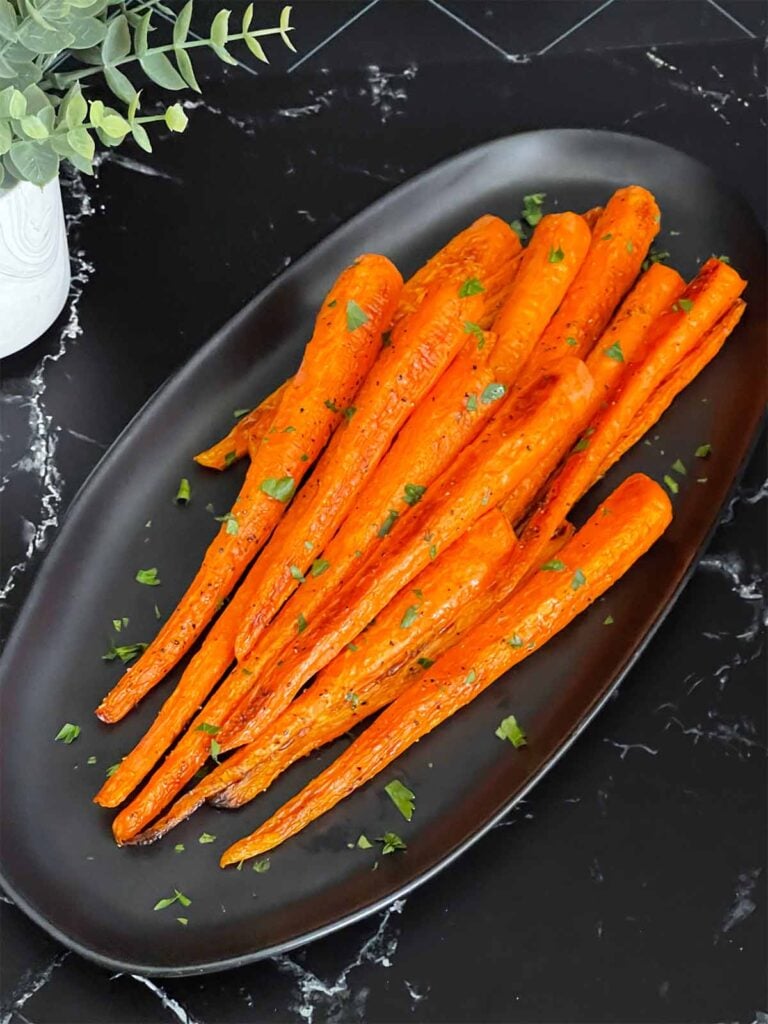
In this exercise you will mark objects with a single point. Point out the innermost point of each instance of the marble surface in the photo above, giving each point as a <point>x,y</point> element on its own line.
<point>631,885</point>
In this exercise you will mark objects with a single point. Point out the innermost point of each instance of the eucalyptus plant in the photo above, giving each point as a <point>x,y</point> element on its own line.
<point>52,52</point>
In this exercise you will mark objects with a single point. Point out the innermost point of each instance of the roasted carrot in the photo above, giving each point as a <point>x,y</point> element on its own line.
<point>682,375</point>
<point>366,676</point>
<point>620,240</point>
<point>235,445</point>
<point>592,216</point>
<point>489,242</point>
<point>479,479</point>
<point>620,345</point>
<point>538,289</point>
<point>421,347</point>
<point>441,425</point>
<point>619,533</point>
<point>346,339</point>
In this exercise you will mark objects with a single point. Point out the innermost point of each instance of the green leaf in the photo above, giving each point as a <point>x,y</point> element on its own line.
<point>220,28</point>
<point>492,393</point>
<point>88,32</point>
<point>532,207</point>
<point>35,161</point>
<point>391,842</point>
<point>185,69</point>
<point>126,652</point>
<point>356,316</point>
<point>233,526</point>
<point>413,493</point>
<point>517,227</point>
<point>115,126</point>
<point>614,352</point>
<point>183,920</point>
<point>255,47</point>
<point>470,287</point>
<point>286,27</point>
<point>17,106</point>
<point>364,843</point>
<point>139,133</point>
<point>33,127</point>
<point>97,112</point>
<point>175,118</point>
<point>509,730</point>
<point>41,40</point>
<point>181,28</point>
<point>148,577</point>
<point>81,142</point>
<point>6,137</point>
<point>8,20</point>
<point>74,109</point>
<point>141,33</point>
<point>222,54</point>
<point>608,620</point>
<point>117,41</point>
<point>159,69</point>
<point>68,733</point>
<point>402,797</point>
<point>280,488</point>
<point>119,85</point>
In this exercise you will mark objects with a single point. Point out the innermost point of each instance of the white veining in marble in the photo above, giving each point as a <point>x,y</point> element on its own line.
<point>387,89</point>
<point>742,905</point>
<point>30,984</point>
<point>168,1002</point>
<point>626,747</point>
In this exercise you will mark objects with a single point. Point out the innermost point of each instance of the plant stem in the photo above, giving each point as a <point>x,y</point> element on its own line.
<point>74,76</point>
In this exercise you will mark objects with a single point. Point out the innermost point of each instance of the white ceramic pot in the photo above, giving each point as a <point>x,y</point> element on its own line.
<point>34,262</point>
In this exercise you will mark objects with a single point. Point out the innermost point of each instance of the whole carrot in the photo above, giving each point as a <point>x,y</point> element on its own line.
<point>619,533</point>
<point>235,445</point>
<point>366,675</point>
<point>478,480</point>
<point>346,339</point>
<point>620,239</point>
<point>547,268</point>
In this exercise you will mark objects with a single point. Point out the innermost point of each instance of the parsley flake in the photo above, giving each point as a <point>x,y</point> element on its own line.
<point>388,523</point>
<point>184,493</point>
<point>206,837</point>
<point>391,842</point>
<point>111,770</point>
<point>477,331</point>
<point>413,493</point>
<point>555,255</point>
<point>125,652</point>
<point>509,730</point>
<point>683,305</point>
<point>364,843</point>
<point>471,403</point>
<point>352,699</point>
<point>515,641</point>
<point>92,759</point>
<point>148,577</point>
<point>679,467</point>
<point>319,566</point>
<point>629,246</point>
<point>356,316</point>
<point>492,393</point>
<point>280,488</point>
<point>215,750</point>
<point>578,580</point>
<point>532,208</point>
<point>470,677</point>
<point>179,848</point>
<point>183,920</point>
<point>470,287</point>
<point>179,897</point>
<point>410,616</point>
<point>233,527</point>
<point>608,620</point>
<point>553,565</point>
<point>206,727</point>
<point>229,458</point>
<point>571,342</point>
<point>581,445</point>
<point>260,866</point>
<point>296,572</point>
<point>614,352</point>
<point>330,404</point>
<point>425,662</point>
<point>703,451</point>
<point>301,623</point>
<point>655,256</point>
<point>240,412</point>
<point>403,798</point>
<point>671,483</point>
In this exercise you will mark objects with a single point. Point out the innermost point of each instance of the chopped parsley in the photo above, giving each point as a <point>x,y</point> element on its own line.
<point>206,837</point>
<point>260,866</point>
<point>629,246</point>
<point>183,920</point>
<point>296,572</point>
<point>356,316</point>
<point>410,616</point>
<point>184,492</point>
<point>509,730</point>
<point>206,727</point>
<point>332,303</point>
<point>679,467</point>
<point>92,759</point>
<point>492,393</point>
<point>470,677</point>
<point>606,238</point>
<point>170,900</point>
<point>614,352</point>
<point>403,798</point>
<point>240,412</point>
<point>571,342</point>
<point>120,624</point>
<point>581,445</point>
<point>683,305</point>
<point>68,733</point>
<point>388,523</point>
<point>308,545</point>
<point>148,577</point>
<point>425,662</point>
<point>229,458</point>
<point>289,430</point>
<point>578,580</point>
<point>391,842</point>
<point>319,566</point>
<point>280,488</point>
<point>433,551</point>
<point>352,699</point>
<point>413,493</point>
<point>233,527</point>
<point>179,848</point>
<point>608,620</point>
<point>301,623</point>
<point>364,843</point>
<point>724,259</point>
<point>671,483</point>
<point>476,331</point>
<point>703,451</point>
<point>470,287</point>
<point>126,652</point>
<point>330,404</point>
<point>111,770</point>
<point>532,208</point>
<point>553,565</point>
<point>517,227</point>
<point>655,256</point>
<point>515,641</point>
<point>215,750</point>
<point>472,403</point>
<point>555,255</point>
<point>352,647</point>
<point>349,412</point>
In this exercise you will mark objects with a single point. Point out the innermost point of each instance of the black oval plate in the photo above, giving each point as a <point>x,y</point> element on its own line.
<point>58,860</point>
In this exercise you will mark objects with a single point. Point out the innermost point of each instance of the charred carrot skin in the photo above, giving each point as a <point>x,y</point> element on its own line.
<point>622,530</point>
<point>478,480</point>
<point>367,675</point>
<point>422,347</point>
<point>537,290</point>
<point>682,375</point>
<point>620,345</point>
<point>235,445</point>
<point>620,240</point>
<point>592,216</point>
<point>334,364</point>
<point>481,477</point>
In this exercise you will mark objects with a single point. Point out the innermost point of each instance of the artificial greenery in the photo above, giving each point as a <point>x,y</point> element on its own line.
<point>53,51</point>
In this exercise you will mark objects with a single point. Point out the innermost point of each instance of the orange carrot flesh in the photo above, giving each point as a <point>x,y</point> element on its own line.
<point>620,240</point>
<point>478,480</point>
<point>689,368</point>
<point>619,533</point>
<point>366,676</point>
<point>235,445</point>
<point>592,216</point>
<point>422,347</point>
<point>486,247</point>
<point>335,362</point>
<point>538,288</point>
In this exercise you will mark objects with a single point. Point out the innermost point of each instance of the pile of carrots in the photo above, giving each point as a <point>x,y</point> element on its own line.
<point>401,538</point>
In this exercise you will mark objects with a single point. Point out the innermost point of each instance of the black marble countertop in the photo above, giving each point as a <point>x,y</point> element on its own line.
<point>630,886</point>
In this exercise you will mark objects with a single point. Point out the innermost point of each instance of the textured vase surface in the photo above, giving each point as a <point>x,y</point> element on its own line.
<point>34,263</point>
